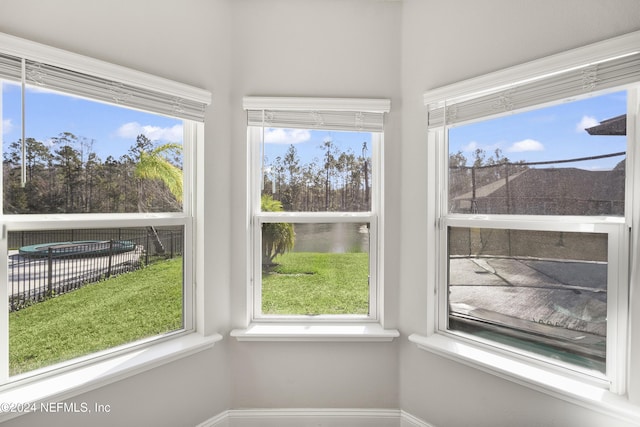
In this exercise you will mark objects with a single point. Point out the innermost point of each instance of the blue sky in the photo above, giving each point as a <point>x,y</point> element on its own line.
<point>549,133</point>
<point>114,129</point>
<point>308,143</point>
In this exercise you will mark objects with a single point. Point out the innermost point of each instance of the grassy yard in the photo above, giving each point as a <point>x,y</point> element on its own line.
<point>148,302</point>
<point>96,317</point>
<point>306,283</point>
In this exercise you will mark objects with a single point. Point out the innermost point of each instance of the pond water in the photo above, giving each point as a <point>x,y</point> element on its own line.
<point>338,237</point>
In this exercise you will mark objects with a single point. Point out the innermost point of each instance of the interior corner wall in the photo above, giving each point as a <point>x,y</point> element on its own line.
<point>444,42</point>
<point>316,48</point>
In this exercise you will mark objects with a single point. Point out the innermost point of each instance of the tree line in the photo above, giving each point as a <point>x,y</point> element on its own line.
<point>66,175</point>
<point>337,181</point>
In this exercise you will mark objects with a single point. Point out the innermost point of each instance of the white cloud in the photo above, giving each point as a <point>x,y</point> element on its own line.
<point>526,145</point>
<point>286,136</point>
<point>7,126</point>
<point>154,133</point>
<point>586,122</point>
<point>470,146</point>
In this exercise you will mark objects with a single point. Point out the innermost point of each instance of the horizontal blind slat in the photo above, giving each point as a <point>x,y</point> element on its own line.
<point>330,120</point>
<point>589,78</point>
<point>96,88</point>
<point>10,68</point>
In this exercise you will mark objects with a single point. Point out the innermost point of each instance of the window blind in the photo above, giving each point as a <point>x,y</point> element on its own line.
<point>97,88</point>
<point>329,114</point>
<point>577,81</point>
<point>10,68</point>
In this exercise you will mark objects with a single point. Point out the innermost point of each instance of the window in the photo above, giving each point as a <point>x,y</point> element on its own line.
<point>97,210</point>
<point>316,188</point>
<point>529,282</point>
<point>532,206</point>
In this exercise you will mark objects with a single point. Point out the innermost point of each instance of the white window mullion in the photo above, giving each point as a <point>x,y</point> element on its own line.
<point>435,215</point>
<point>617,309</point>
<point>256,271</point>
<point>315,217</point>
<point>4,307</point>
<point>254,240</point>
<point>375,269</point>
<point>376,229</point>
<point>632,378</point>
<point>191,132</point>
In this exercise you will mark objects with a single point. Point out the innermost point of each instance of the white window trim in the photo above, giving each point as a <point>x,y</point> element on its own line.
<point>328,327</point>
<point>19,47</point>
<point>77,376</point>
<point>617,295</point>
<point>577,388</point>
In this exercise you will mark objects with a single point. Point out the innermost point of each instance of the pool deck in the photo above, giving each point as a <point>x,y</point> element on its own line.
<point>533,295</point>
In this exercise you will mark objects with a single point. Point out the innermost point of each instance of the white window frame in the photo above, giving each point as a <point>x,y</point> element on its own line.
<point>610,392</point>
<point>70,378</point>
<point>617,292</point>
<point>322,327</point>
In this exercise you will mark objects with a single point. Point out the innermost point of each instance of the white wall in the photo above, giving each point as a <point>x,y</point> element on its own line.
<point>443,42</point>
<point>325,48</point>
<point>182,393</point>
<point>342,48</point>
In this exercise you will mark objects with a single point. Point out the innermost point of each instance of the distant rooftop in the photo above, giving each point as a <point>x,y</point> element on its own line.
<point>614,126</point>
<point>549,191</point>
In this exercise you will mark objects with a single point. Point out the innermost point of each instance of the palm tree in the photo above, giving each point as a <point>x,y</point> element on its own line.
<point>277,237</point>
<point>154,165</point>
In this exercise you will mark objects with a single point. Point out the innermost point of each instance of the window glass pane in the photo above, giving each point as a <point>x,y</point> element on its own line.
<point>541,291</point>
<point>567,159</point>
<point>312,269</point>
<point>310,170</point>
<point>78,291</point>
<point>88,157</point>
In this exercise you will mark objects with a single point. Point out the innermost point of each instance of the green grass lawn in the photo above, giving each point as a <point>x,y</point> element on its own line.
<point>116,311</point>
<point>305,283</point>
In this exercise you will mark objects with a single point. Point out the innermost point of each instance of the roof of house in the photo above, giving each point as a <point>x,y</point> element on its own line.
<point>614,126</point>
<point>570,183</point>
<point>558,191</point>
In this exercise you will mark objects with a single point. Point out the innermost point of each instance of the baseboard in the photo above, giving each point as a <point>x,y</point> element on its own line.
<point>408,420</point>
<point>220,420</point>
<point>317,417</point>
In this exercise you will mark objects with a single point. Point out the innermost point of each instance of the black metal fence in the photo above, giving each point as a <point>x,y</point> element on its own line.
<point>46,263</point>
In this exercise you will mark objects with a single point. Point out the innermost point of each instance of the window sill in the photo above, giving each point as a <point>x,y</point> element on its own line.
<point>350,332</point>
<point>69,383</point>
<point>547,381</point>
